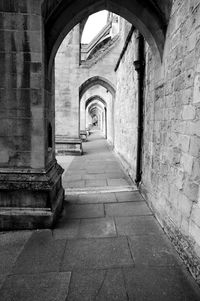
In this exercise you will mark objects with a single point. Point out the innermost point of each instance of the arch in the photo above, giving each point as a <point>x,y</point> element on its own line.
<point>96,80</point>
<point>94,106</point>
<point>95,97</point>
<point>150,17</point>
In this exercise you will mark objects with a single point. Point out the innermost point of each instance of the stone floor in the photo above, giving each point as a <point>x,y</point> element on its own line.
<point>107,245</point>
<point>96,169</point>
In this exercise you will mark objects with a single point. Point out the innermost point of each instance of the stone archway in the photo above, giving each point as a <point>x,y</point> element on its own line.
<point>28,166</point>
<point>108,97</point>
<point>95,97</point>
<point>96,80</point>
<point>98,102</point>
<point>149,17</point>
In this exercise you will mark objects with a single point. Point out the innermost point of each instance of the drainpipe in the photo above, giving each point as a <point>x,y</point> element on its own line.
<point>105,112</point>
<point>139,64</point>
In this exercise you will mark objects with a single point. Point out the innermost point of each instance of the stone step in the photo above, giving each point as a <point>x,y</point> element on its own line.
<point>104,189</point>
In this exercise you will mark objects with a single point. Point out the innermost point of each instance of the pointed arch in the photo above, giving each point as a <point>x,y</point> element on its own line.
<point>96,80</point>
<point>95,97</point>
<point>150,17</point>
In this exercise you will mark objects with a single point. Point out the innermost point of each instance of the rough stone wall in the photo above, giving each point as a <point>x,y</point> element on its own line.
<point>171,148</point>
<point>171,163</point>
<point>126,114</point>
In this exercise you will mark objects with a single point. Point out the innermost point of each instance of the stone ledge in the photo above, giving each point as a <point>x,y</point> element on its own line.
<point>31,201</point>
<point>68,146</point>
<point>24,179</point>
<point>103,189</point>
<point>19,218</point>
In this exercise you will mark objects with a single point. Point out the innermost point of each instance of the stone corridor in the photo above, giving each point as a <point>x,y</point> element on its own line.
<point>98,168</point>
<point>106,246</point>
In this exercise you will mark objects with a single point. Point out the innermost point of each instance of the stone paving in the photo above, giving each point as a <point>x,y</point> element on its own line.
<point>106,246</point>
<point>98,168</point>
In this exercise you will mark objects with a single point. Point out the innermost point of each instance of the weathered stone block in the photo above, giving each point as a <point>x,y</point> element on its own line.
<point>196,170</point>
<point>194,231</point>
<point>30,200</point>
<point>196,92</point>
<point>191,190</point>
<point>187,163</point>
<point>68,146</point>
<point>188,112</point>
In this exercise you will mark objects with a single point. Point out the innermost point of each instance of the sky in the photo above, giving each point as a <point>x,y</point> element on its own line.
<point>93,25</point>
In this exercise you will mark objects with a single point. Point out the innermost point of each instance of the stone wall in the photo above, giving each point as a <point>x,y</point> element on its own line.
<point>125,116</point>
<point>171,149</point>
<point>171,157</point>
<point>172,137</point>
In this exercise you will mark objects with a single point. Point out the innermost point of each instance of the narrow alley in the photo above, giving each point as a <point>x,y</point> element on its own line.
<point>106,246</point>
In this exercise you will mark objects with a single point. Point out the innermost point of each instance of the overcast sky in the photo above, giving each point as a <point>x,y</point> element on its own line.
<point>94,24</point>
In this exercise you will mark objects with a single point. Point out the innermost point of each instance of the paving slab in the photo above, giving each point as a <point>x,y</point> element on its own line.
<point>66,229</point>
<point>118,182</point>
<point>83,211</point>
<point>69,178</point>
<point>96,183</point>
<point>93,176</point>
<point>74,184</point>
<point>36,287</point>
<point>95,171</point>
<point>11,244</point>
<point>74,172</point>
<point>40,254</point>
<point>127,209</point>
<point>115,175</point>
<point>153,250</point>
<point>85,285</point>
<point>134,196</point>
<point>101,285</point>
<point>100,227</point>
<point>73,199</point>
<point>137,225</point>
<point>97,198</point>
<point>160,284</point>
<point>96,253</point>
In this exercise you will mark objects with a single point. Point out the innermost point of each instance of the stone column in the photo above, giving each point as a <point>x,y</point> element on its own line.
<point>82,116</point>
<point>68,140</point>
<point>31,192</point>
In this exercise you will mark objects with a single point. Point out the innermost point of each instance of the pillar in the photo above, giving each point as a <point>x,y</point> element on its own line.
<point>31,193</point>
<point>68,140</point>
